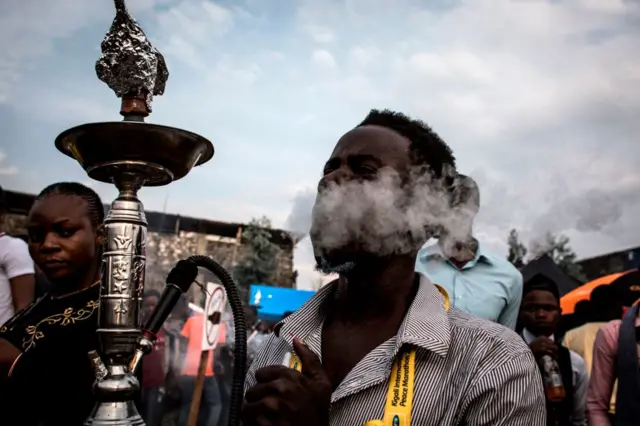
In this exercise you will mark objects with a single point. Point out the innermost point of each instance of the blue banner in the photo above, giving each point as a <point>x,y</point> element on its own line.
<point>273,302</point>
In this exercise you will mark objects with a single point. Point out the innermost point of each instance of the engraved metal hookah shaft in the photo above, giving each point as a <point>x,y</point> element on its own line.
<point>129,154</point>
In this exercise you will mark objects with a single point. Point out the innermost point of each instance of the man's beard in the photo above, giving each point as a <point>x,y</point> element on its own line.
<point>327,267</point>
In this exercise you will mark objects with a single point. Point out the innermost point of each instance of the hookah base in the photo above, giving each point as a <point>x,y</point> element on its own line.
<point>122,413</point>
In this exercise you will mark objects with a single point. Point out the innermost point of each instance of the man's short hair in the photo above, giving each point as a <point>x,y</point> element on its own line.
<point>427,148</point>
<point>605,304</point>
<point>603,296</point>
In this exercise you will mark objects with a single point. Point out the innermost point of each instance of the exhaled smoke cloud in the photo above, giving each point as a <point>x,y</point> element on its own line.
<point>594,210</point>
<point>299,219</point>
<point>381,216</point>
<point>550,207</point>
<point>590,211</point>
<point>557,206</point>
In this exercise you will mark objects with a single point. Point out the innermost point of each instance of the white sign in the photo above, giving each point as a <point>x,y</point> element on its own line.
<point>257,298</point>
<point>216,302</point>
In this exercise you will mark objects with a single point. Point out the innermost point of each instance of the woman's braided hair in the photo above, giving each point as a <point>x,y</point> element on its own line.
<point>95,207</point>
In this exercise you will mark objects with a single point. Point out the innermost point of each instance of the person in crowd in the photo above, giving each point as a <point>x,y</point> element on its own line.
<point>176,342</point>
<point>616,353</point>
<point>223,370</point>
<point>44,347</point>
<point>154,369</point>
<point>604,306</point>
<point>581,313</point>
<point>540,314</point>
<point>224,359</point>
<point>330,362</point>
<point>176,352</point>
<point>255,333</point>
<point>261,330</point>
<point>17,274</point>
<point>479,283</point>
<point>42,285</point>
<point>210,403</point>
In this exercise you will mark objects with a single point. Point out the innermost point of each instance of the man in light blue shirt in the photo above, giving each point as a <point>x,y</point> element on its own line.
<point>478,282</point>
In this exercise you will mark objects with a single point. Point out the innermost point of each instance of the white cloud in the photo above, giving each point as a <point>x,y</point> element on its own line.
<point>362,57</point>
<point>29,29</point>
<point>323,60</point>
<point>272,55</point>
<point>542,104</point>
<point>190,28</point>
<point>320,34</point>
<point>196,21</point>
<point>538,99</point>
<point>6,170</point>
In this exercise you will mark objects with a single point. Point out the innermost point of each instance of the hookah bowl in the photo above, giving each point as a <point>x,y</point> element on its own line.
<point>129,154</point>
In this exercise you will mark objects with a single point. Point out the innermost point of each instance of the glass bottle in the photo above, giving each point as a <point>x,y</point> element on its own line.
<point>554,387</point>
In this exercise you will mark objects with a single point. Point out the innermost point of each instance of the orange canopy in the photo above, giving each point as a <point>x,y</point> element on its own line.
<point>569,300</point>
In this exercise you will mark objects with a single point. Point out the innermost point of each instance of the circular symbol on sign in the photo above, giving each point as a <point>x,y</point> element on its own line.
<point>216,304</point>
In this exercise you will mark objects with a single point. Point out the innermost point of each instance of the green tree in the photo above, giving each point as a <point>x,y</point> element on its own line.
<point>517,250</point>
<point>558,248</point>
<point>258,262</point>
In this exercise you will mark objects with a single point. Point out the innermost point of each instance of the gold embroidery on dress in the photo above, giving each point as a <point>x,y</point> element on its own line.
<point>5,327</point>
<point>69,316</point>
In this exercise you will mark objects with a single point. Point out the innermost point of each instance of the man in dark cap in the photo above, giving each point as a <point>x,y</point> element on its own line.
<point>539,315</point>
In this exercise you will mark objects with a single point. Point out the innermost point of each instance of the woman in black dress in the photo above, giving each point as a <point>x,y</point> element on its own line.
<point>47,375</point>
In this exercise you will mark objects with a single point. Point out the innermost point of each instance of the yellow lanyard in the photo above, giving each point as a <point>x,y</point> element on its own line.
<point>397,409</point>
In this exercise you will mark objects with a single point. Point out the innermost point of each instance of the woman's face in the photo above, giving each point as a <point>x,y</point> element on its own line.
<point>62,240</point>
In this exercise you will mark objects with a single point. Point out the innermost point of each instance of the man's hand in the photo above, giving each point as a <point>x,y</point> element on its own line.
<point>286,397</point>
<point>543,346</point>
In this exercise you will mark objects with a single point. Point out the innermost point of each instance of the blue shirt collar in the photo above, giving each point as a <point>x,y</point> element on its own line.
<point>435,252</point>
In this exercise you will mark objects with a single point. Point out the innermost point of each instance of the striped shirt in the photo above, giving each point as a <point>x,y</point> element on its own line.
<point>468,371</point>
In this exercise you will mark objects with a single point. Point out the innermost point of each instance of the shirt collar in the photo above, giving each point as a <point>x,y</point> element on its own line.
<point>530,337</point>
<point>435,252</point>
<point>426,324</point>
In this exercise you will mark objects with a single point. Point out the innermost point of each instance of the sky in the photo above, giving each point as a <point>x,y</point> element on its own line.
<point>539,100</point>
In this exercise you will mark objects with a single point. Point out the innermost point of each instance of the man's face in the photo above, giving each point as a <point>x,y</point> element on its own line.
<point>362,182</point>
<point>540,312</point>
<point>465,204</point>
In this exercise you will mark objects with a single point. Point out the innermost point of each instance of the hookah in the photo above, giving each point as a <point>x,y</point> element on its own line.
<point>131,154</point>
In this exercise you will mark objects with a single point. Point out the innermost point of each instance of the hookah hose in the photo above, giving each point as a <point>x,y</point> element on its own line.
<point>240,324</point>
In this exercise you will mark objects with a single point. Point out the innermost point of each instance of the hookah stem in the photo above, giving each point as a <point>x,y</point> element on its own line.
<point>239,321</point>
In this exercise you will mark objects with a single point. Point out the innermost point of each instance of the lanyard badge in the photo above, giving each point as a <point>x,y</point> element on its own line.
<point>397,410</point>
